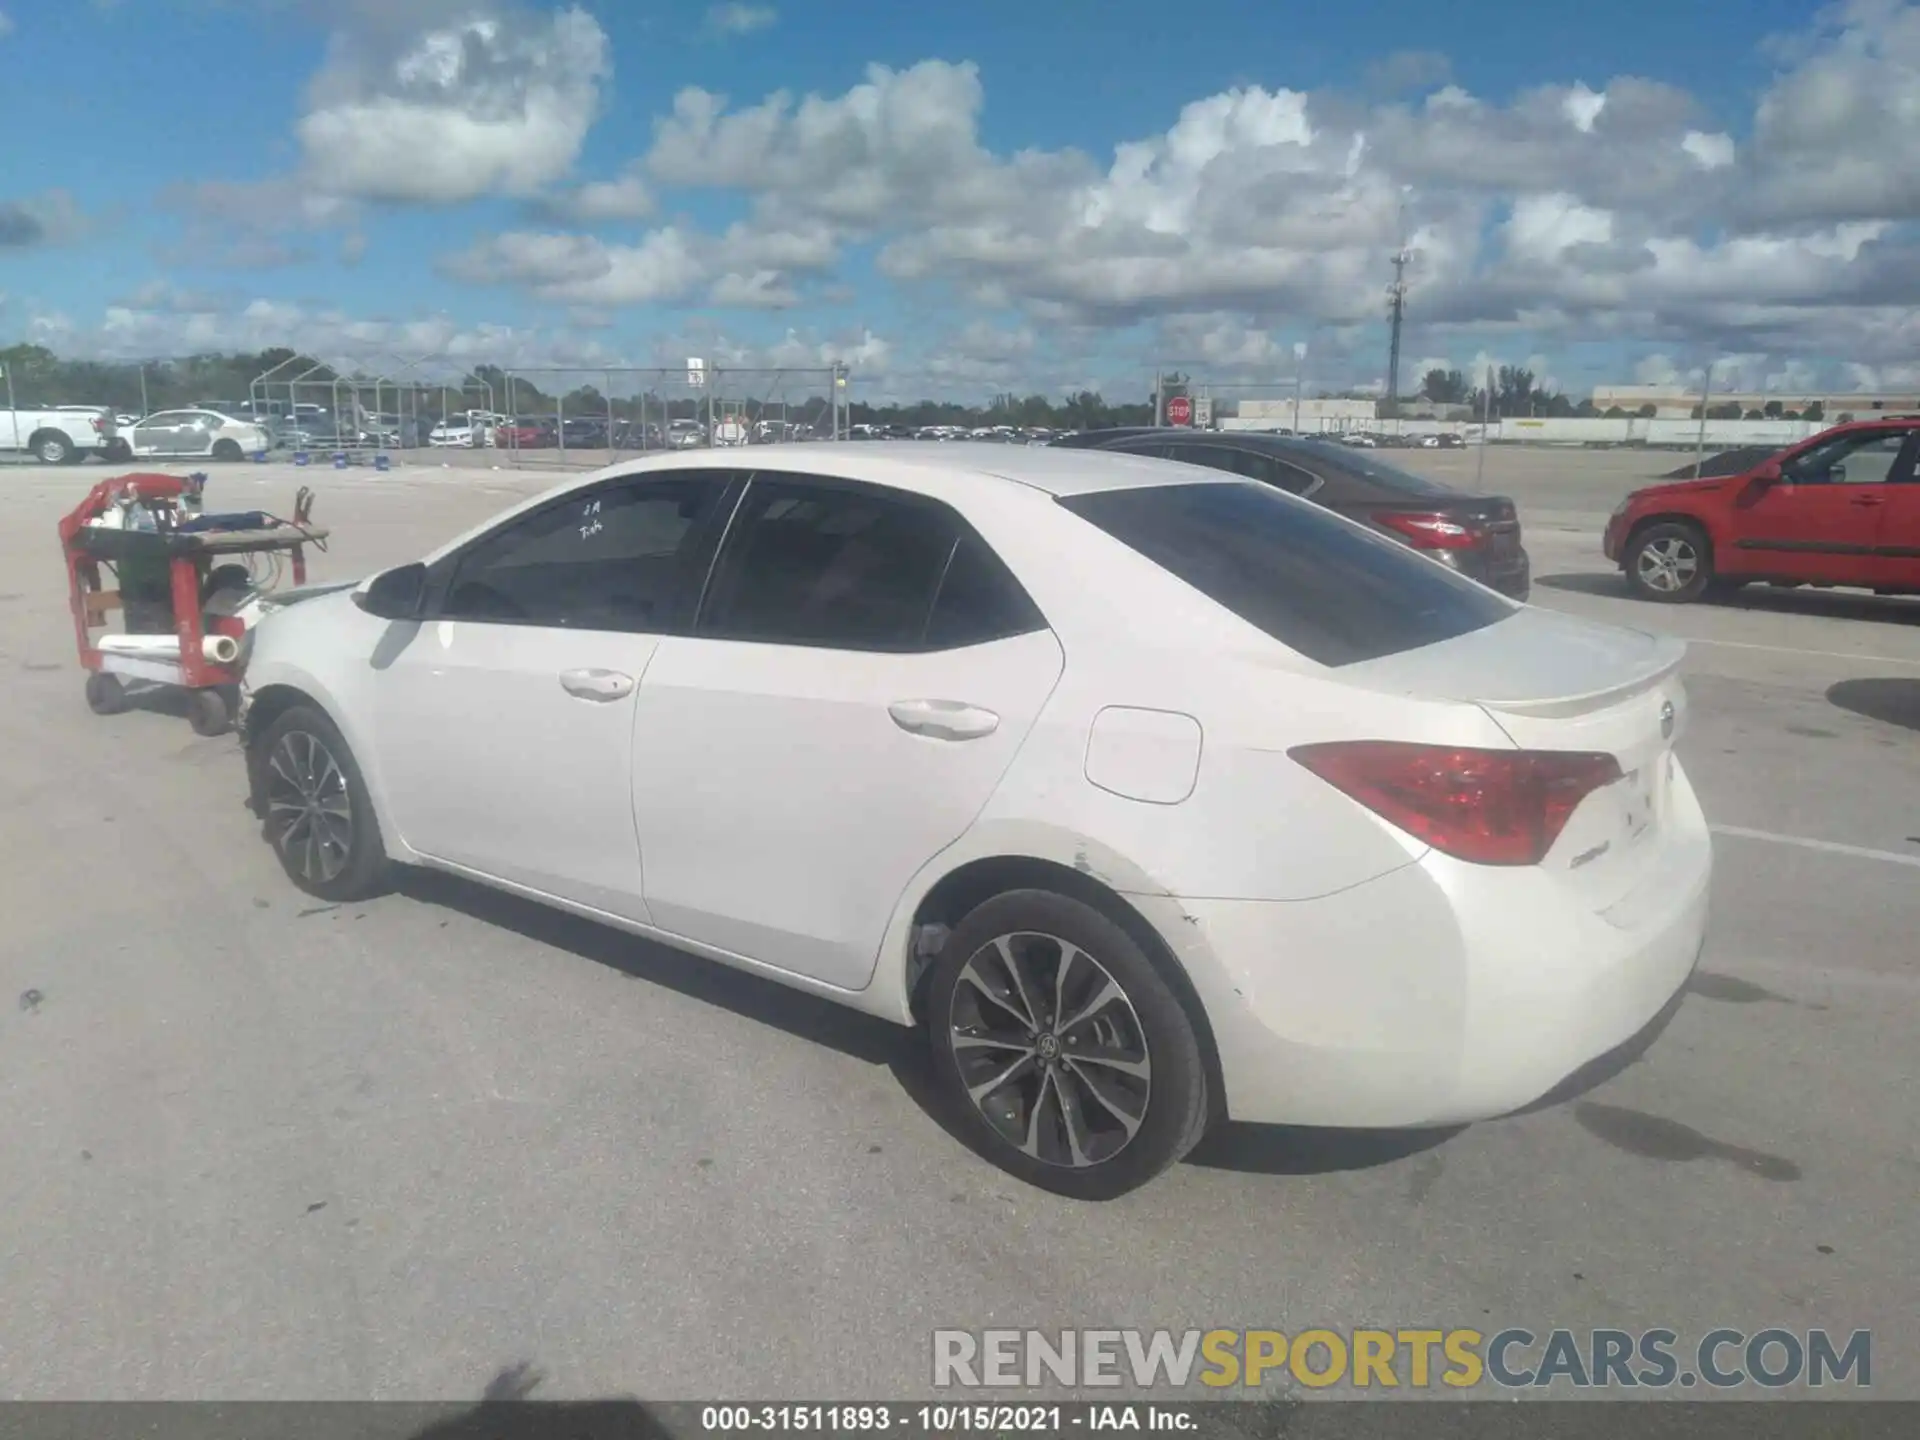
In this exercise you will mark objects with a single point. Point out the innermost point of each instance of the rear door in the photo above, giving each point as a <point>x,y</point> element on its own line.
<point>1821,521</point>
<point>862,673</point>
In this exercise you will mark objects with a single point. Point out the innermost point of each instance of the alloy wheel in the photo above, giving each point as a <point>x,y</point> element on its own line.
<point>309,807</point>
<point>1050,1050</point>
<point>1667,565</point>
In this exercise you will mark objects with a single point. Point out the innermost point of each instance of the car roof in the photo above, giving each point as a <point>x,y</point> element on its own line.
<point>934,469</point>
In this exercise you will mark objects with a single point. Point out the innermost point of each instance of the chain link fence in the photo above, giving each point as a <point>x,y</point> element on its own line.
<point>572,418</point>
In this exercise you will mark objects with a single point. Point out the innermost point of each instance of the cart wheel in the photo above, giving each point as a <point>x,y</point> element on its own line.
<point>207,712</point>
<point>105,694</point>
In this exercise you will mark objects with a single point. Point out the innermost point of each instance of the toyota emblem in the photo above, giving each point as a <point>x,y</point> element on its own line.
<point>1666,720</point>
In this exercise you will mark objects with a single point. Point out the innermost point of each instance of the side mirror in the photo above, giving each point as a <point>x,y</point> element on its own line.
<point>1768,473</point>
<point>394,594</point>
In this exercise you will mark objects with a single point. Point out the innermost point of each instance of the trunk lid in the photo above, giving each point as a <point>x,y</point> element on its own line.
<point>1553,682</point>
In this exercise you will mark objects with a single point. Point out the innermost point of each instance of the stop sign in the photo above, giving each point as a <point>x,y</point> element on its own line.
<point>1179,410</point>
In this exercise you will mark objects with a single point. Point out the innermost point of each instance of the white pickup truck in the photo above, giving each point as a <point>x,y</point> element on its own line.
<point>60,436</point>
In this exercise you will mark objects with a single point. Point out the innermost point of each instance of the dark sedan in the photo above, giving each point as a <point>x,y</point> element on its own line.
<point>1478,535</point>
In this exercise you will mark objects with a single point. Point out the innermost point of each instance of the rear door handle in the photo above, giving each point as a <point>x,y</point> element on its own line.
<point>943,719</point>
<point>596,684</point>
<point>1869,500</point>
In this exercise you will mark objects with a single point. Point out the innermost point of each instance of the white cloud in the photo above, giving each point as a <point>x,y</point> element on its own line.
<point>156,323</point>
<point>738,19</point>
<point>762,290</point>
<point>487,104</point>
<point>627,198</point>
<point>6,25</point>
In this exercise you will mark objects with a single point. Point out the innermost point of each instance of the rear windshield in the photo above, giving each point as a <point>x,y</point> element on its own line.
<point>1331,590</point>
<point>1387,477</point>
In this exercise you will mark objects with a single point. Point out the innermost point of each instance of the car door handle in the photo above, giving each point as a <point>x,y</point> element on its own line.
<point>1869,500</point>
<point>596,684</point>
<point>943,719</point>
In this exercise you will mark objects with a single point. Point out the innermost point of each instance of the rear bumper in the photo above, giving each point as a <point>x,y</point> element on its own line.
<point>1443,992</point>
<point>1511,575</point>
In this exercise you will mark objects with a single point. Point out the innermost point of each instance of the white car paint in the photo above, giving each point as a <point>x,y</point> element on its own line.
<point>186,434</point>
<point>764,805</point>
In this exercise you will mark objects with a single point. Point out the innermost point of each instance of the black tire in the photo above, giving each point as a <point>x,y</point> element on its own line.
<point>105,694</point>
<point>228,450</point>
<point>1165,1097</point>
<point>225,577</point>
<point>310,742</point>
<point>208,712</point>
<point>52,448</point>
<point>1670,562</point>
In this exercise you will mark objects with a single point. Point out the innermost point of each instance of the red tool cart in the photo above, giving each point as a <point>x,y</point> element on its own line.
<point>167,638</point>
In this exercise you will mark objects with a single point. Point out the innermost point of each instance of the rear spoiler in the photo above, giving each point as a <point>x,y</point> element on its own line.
<point>1561,706</point>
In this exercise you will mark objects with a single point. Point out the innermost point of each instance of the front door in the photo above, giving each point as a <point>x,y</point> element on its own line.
<point>862,674</point>
<point>506,720</point>
<point>1821,520</point>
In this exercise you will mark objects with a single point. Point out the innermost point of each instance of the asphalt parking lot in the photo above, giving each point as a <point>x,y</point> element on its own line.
<point>257,1147</point>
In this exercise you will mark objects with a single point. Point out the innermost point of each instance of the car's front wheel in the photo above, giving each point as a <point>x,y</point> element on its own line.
<point>314,804</point>
<point>1671,562</point>
<point>1061,1050</point>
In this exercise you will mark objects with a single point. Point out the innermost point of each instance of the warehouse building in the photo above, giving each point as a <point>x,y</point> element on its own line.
<point>1672,402</point>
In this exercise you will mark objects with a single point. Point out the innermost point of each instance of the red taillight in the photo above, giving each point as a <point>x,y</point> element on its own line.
<point>99,426</point>
<point>1492,807</point>
<point>1430,529</point>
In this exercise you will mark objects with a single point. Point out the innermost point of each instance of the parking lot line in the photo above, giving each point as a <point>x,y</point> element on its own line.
<point>1831,847</point>
<point>1802,650</point>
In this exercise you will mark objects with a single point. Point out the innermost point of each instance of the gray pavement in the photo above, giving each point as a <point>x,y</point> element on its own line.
<point>255,1147</point>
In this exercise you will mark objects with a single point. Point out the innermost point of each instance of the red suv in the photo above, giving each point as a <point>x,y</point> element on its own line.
<point>1840,509</point>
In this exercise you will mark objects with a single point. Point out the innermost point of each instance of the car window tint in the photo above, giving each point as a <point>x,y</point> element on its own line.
<point>1248,463</point>
<point>1389,477</point>
<point>1858,459</point>
<point>979,600</point>
<point>607,559</point>
<point>1333,591</point>
<point>838,566</point>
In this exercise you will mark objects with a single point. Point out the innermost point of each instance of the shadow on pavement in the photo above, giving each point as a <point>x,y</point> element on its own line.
<point>1304,1150</point>
<point>1894,701</point>
<point>862,1036</point>
<point>1254,1149</point>
<point>506,1412</point>
<point>1756,599</point>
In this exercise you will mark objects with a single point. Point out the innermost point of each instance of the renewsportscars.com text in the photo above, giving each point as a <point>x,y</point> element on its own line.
<point>1512,1358</point>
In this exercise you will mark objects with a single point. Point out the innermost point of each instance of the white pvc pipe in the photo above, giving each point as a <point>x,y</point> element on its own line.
<point>220,649</point>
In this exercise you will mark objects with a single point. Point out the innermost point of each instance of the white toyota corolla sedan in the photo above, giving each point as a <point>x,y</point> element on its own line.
<point>1157,796</point>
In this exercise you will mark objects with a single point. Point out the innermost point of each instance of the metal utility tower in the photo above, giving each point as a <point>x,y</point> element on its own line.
<point>1396,315</point>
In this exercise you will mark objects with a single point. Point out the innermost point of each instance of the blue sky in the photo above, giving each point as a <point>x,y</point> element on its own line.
<point>248,172</point>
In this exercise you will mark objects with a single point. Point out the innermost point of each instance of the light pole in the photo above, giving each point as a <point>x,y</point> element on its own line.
<point>1299,377</point>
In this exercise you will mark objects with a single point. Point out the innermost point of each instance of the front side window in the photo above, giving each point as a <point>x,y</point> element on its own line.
<point>1332,591</point>
<point>609,558</point>
<point>840,566</point>
<point>1859,459</point>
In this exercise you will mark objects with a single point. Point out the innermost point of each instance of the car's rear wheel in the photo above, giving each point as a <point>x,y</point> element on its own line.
<point>314,803</point>
<point>1670,562</point>
<point>53,448</point>
<point>227,450</point>
<point>1063,1053</point>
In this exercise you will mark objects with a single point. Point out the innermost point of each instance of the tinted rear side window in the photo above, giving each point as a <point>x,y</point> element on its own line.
<point>1336,593</point>
<point>979,600</point>
<point>1390,477</point>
